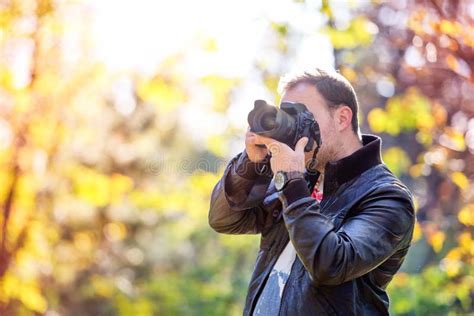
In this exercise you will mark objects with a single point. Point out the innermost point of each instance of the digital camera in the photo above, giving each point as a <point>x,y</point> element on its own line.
<point>286,124</point>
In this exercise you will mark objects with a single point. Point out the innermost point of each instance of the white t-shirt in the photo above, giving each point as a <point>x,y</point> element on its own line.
<point>269,300</point>
<point>268,303</point>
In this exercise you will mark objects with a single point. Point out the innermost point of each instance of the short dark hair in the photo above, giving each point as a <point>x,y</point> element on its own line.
<point>334,88</point>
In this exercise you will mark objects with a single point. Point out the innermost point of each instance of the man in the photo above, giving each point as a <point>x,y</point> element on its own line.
<point>330,257</point>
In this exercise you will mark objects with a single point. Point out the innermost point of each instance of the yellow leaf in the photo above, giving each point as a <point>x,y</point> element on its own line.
<point>466,215</point>
<point>115,231</point>
<point>436,240</point>
<point>349,73</point>
<point>450,28</point>
<point>377,118</point>
<point>162,93</point>
<point>454,254</point>
<point>217,145</point>
<point>452,62</point>
<point>359,33</point>
<point>102,286</point>
<point>271,82</point>
<point>23,101</point>
<point>91,186</point>
<point>417,232</point>
<point>452,267</point>
<point>452,139</point>
<point>83,241</point>
<point>460,180</point>
<point>203,181</point>
<point>221,88</point>
<point>440,114</point>
<point>424,137</point>
<point>31,296</point>
<point>466,243</point>
<point>119,185</point>
<point>43,132</point>
<point>47,82</point>
<point>397,160</point>
<point>9,286</point>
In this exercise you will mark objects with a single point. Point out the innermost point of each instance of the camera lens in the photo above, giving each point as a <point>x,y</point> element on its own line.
<point>268,121</point>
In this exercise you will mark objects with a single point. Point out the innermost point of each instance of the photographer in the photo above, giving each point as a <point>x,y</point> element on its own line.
<point>330,257</point>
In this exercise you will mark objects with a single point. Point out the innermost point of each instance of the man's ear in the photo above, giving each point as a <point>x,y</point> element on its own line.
<point>343,117</point>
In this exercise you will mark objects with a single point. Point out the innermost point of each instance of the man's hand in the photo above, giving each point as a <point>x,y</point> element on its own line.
<point>283,157</point>
<point>254,152</point>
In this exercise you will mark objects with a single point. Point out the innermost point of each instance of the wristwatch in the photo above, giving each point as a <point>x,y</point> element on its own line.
<point>282,178</point>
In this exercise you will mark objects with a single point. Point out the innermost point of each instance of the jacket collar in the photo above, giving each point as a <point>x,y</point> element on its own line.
<point>338,172</point>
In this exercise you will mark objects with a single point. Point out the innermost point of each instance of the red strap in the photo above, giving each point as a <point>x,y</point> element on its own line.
<point>317,194</point>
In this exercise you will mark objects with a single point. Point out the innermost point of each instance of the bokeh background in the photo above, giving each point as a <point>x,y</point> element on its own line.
<point>117,118</point>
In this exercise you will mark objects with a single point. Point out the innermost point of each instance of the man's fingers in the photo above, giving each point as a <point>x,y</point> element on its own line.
<point>300,144</point>
<point>272,145</point>
<point>263,140</point>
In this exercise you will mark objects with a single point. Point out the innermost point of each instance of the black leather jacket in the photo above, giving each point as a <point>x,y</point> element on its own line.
<point>348,247</point>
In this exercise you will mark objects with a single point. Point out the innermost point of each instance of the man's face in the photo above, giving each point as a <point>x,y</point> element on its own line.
<point>314,101</point>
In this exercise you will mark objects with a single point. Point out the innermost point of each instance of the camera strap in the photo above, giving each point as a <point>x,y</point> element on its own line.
<point>312,175</point>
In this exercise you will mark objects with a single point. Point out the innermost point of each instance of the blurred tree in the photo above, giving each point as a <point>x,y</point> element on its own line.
<point>107,177</point>
<point>105,195</point>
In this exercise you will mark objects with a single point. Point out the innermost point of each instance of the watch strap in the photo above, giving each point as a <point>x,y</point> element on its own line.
<point>290,176</point>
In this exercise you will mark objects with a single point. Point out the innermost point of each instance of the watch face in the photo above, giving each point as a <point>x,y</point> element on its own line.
<point>279,180</point>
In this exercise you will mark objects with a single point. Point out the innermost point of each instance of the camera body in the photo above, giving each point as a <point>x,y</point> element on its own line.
<point>286,124</point>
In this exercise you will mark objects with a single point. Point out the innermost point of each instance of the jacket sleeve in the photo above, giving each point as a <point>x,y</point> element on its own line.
<point>384,223</point>
<point>235,206</point>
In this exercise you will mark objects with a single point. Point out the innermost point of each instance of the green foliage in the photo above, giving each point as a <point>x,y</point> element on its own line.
<point>431,292</point>
<point>359,33</point>
<point>396,159</point>
<point>405,113</point>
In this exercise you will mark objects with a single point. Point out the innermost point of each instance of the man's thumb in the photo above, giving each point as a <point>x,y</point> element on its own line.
<point>300,144</point>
